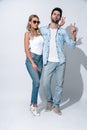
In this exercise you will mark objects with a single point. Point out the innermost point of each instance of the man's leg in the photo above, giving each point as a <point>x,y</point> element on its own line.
<point>60,71</point>
<point>48,72</point>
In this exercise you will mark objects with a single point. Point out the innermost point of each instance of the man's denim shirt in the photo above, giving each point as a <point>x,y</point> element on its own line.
<point>61,39</point>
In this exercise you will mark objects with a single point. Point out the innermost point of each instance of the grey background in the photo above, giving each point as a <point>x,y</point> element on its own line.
<point>15,84</point>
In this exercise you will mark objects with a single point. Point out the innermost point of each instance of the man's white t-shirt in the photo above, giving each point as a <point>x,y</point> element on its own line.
<point>53,56</point>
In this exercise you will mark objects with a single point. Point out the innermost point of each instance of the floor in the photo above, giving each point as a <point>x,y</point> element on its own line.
<point>15,114</point>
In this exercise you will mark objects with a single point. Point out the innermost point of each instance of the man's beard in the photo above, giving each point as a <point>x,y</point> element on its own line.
<point>55,21</point>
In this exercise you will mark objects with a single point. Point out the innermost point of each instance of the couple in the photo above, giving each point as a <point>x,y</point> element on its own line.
<point>44,48</point>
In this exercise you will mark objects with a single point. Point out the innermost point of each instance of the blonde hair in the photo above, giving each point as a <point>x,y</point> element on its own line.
<point>29,25</point>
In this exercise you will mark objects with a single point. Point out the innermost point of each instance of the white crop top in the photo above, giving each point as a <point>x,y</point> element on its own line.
<point>36,45</point>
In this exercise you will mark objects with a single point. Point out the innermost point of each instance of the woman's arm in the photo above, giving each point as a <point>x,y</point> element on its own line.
<point>27,50</point>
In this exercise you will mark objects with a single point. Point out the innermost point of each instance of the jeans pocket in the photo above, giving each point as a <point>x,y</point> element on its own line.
<point>33,55</point>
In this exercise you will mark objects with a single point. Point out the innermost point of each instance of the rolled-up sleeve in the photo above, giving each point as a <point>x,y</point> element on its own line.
<point>69,41</point>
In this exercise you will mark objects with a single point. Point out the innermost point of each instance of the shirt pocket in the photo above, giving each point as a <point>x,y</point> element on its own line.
<point>60,38</point>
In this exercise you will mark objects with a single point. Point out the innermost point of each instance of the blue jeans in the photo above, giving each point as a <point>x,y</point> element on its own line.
<point>48,71</point>
<point>35,75</point>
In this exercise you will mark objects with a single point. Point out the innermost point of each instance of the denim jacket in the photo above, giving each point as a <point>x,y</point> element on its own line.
<point>61,38</point>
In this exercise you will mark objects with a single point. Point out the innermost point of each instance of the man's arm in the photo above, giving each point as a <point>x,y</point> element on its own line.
<point>62,22</point>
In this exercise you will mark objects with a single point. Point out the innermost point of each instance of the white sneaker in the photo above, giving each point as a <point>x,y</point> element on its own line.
<point>34,111</point>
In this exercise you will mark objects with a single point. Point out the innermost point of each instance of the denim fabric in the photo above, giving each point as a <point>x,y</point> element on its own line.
<point>61,39</point>
<point>48,71</point>
<point>35,75</point>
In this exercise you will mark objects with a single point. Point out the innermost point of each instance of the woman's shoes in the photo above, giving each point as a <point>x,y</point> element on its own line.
<point>34,110</point>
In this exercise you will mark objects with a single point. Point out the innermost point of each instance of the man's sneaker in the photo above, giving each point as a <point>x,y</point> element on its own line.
<point>57,110</point>
<point>49,106</point>
<point>34,111</point>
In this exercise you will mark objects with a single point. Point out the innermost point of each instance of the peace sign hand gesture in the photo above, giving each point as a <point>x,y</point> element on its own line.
<point>73,31</point>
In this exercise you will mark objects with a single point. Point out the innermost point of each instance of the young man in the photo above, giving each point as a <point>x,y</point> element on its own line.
<point>54,58</point>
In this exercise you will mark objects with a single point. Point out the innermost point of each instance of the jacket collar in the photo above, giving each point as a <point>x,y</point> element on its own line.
<point>48,26</point>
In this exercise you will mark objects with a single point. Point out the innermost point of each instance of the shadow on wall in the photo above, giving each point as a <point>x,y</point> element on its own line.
<point>73,83</point>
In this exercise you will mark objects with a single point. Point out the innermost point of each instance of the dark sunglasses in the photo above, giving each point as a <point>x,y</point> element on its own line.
<point>38,22</point>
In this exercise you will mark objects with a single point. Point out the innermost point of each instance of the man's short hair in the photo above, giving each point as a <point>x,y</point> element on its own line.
<point>57,9</point>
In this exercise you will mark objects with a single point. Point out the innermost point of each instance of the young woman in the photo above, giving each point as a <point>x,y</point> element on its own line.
<point>33,45</point>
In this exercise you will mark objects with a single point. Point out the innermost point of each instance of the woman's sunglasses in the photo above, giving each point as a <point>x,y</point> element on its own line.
<point>38,22</point>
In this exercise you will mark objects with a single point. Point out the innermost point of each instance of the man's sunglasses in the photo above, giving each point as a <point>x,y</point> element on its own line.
<point>38,22</point>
